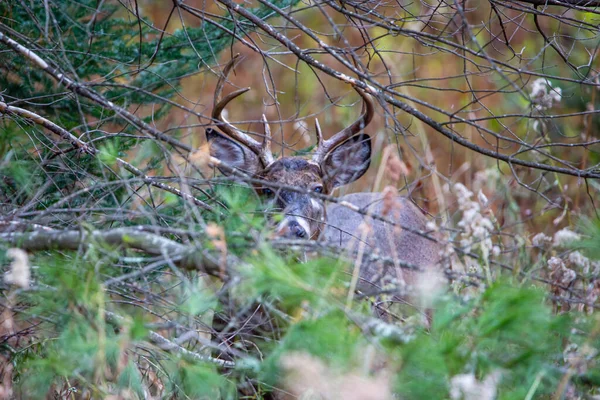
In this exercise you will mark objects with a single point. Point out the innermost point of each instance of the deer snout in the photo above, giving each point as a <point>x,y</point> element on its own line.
<point>293,228</point>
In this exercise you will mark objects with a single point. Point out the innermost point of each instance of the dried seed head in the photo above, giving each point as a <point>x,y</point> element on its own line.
<point>389,200</point>
<point>559,273</point>
<point>541,240</point>
<point>395,168</point>
<point>308,377</point>
<point>19,273</point>
<point>564,237</point>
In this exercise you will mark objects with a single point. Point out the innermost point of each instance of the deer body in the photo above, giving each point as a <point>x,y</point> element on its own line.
<point>337,161</point>
<point>349,230</point>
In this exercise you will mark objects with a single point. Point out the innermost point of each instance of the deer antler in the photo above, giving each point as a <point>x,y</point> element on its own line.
<point>265,148</point>
<point>263,151</point>
<point>325,146</point>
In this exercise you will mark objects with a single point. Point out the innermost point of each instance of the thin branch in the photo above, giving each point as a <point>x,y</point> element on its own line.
<point>563,3</point>
<point>93,151</point>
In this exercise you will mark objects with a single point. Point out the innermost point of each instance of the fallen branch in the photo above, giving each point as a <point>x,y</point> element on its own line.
<point>186,256</point>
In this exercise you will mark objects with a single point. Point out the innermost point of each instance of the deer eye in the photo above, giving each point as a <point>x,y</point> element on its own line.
<point>318,189</point>
<point>267,192</point>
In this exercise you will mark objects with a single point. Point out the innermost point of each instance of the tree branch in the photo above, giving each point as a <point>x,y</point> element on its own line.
<point>51,126</point>
<point>188,257</point>
<point>563,3</point>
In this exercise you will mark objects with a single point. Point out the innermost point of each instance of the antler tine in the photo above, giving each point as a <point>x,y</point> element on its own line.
<point>220,104</point>
<point>348,132</point>
<point>223,77</point>
<point>319,134</point>
<point>266,155</point>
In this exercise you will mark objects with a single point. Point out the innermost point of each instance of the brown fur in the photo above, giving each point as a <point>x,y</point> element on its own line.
<point>293,171</point>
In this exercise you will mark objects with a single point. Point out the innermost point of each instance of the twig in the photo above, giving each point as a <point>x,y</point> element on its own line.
<point>150,181</point>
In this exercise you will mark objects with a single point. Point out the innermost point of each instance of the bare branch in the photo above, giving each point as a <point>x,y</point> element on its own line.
<point>188,257</point>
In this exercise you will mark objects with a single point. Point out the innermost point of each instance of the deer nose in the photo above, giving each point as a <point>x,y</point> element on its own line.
<point>296,229</point>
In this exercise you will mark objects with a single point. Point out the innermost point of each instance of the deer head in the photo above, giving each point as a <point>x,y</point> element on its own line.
<point>337,161</point>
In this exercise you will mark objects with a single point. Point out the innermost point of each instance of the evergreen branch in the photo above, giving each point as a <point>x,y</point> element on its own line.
<point>84,91</point>
<point>126,115</point>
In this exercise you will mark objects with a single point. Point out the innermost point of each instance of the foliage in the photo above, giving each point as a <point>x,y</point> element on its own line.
<point>239,313</point>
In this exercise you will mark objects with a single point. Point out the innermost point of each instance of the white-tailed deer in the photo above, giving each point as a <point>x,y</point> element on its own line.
<point>337,161</point>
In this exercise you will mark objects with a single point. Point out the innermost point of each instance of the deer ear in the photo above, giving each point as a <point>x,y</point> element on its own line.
<point>232,153</point>
<point>347,162</point>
